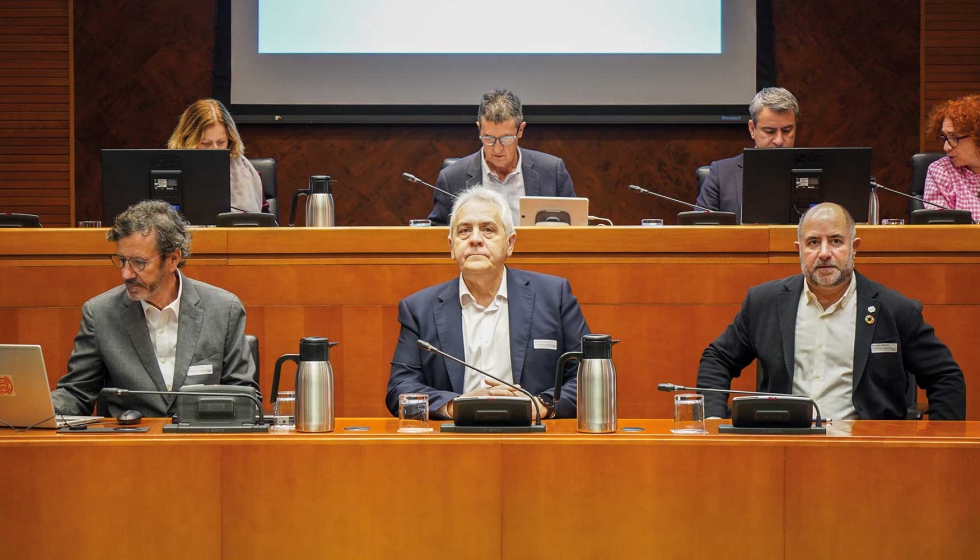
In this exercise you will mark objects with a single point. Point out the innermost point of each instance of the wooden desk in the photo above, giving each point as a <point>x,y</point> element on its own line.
<point>867,490</point>
<point>665,292</point>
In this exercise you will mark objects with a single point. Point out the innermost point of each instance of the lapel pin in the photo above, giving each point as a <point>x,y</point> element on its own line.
<point>871,309</point>
<point>869,319</point>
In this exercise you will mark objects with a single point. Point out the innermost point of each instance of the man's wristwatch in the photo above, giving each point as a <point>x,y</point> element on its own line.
<point>549,405</point>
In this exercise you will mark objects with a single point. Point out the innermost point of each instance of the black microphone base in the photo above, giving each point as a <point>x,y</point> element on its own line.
<point>812,430</point>
<point>454,429</point>
<point>198,429</point>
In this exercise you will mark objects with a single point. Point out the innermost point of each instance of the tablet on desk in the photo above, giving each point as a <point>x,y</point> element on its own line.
<point>554,211</point>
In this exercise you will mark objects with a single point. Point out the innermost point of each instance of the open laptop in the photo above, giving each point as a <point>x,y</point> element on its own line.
<point>25,399</point>
<point>554,211</point>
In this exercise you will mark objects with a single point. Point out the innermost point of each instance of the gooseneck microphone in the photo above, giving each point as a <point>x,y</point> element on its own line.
<point>430,348</point>
<point>906,195</point>
<point>413,179</point>
<point>640,189</point>
<point>671,388</point>
<point>111,391</point>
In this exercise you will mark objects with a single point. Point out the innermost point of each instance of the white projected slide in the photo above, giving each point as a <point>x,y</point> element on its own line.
<point>461,27</point>
<point>414,53</point>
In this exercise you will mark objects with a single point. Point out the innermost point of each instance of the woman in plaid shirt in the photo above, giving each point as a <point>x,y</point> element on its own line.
<point>954,181</point>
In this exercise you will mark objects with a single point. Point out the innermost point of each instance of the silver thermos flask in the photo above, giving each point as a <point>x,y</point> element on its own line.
<point>873,204</point>
<point>319,202</point>
<point>315,410</point>
<point>596,383</point>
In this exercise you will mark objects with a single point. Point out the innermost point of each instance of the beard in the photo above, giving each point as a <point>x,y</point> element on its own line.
<point>842,274</point>
<point>138,291</point>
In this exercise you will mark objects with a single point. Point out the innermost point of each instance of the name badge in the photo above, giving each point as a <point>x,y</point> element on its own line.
<point>545,344</point>
<point>199,370</point>
<point>884,348</point>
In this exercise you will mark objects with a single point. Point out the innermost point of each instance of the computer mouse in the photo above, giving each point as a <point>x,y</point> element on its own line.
<point>129,417</point>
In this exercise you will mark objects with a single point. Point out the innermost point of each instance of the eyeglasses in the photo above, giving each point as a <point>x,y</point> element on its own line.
<point>953,141</point>
<point>504,140</point>
<point>137,265</point>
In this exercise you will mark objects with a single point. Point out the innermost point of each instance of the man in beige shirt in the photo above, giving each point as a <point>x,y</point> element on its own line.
<point>835,336</point>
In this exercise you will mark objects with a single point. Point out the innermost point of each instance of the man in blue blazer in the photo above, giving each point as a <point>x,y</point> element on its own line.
<point>834,336</point>
<point>510,323</point>
<point>500,164</point>
<point>773,114</point>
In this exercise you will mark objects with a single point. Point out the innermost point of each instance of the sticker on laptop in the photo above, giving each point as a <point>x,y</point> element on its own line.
<point>7,386</point>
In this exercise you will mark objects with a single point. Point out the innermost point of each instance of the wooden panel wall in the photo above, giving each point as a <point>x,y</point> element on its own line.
<point>950,56</point>
<point>35,110</point>
<point>853,64</point>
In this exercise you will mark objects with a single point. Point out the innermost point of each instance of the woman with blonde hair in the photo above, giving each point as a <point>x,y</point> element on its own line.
<point>954,181</point>
<point>206,124</point>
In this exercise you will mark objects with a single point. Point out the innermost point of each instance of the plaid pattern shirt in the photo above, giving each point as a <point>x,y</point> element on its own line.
<point>955,188</point>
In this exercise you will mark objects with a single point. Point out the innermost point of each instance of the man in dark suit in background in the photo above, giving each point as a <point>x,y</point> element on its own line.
<point>510,323</point>
<point>834,336</point>
<point>773,115</point>
<point>160,330</point>
<point>500,164</point>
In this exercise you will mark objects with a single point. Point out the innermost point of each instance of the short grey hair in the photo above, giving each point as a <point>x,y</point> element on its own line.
<point>484,194</point>
<point>154,215</point>
<point>848,219</point>
<point>500,105</point>
<point>776,99</point>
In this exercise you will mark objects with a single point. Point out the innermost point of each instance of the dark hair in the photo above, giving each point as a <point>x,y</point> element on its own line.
<point>154,215</point>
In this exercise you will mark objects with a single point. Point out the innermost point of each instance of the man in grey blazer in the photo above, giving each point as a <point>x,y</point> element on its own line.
<point>160,330</point>
<point>500,164</point>
<point>835,336</point>
<point>510,323</point>
<point>773,115</point>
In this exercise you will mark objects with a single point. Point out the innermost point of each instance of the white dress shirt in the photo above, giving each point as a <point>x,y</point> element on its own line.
<point>486,336</point>
<point>162,324</point>
<point>824,360</point>
<point>512,186</point>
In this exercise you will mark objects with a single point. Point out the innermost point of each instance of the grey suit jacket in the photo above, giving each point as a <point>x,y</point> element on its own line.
<point>544,175</point>
<point>722,190</point>
<point>765,329</point>
<point>541,309</point>
<point>113,349</point>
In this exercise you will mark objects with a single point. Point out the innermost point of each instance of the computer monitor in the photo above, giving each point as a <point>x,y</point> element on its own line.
<point>196,182</point>
<point>780,184</point>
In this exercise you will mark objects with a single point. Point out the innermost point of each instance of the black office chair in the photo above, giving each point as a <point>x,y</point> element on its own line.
<point>917,186</point>
<point>700,175</point>
<point>912,411</point>
<point>449,161</point>
<point>19,221</point>
<point>270,187</point>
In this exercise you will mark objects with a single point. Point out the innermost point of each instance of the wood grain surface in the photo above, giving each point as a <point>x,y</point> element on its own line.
<point>866,489</point>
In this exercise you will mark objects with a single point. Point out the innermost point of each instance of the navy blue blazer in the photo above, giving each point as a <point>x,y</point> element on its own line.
<point>544,175</point>
<point>541,308</point>
<point>722,189</point>
<point>765,329</point>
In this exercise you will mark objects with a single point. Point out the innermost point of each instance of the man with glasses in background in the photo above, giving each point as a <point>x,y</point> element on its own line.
<point>501,165</point>
<point>773,115</point>
<point>160,330</point>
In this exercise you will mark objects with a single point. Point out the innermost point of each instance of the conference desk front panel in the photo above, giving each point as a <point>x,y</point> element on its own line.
<point>866,490</point>
<point>665,292</point>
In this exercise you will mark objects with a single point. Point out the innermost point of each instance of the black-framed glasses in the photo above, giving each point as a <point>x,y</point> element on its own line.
<point>953,141</point>
<point>504,140</point>
<point>137,265</point>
